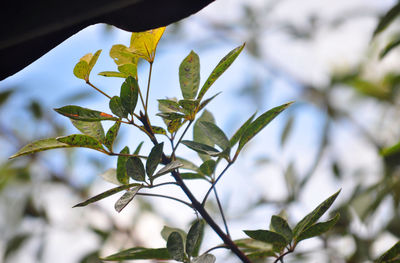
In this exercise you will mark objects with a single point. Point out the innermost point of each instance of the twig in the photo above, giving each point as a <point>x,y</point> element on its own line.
<point>167,197</point>
<point>214,183</point>
<point>221,211</point>
<point>180,139</point>
<point>99,90</point>
<point>216,247</point>
<point>127,155</point>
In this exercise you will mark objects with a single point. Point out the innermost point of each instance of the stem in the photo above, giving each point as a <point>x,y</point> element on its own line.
<point>221,211</point>
<point>127,155</point>
<point>280,258</point>
<point>167,197</point>
<point>214,183</point>
<point>180,139</point>
<point>216,247</point>
<point>99,90</point>
<point>148,88</point>
<point>162,184</point>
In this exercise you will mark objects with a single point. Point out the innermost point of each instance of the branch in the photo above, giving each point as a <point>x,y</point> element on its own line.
<point>214,183</point>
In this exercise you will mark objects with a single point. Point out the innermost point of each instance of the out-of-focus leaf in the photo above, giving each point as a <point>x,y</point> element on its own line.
<point>92,257</point>
<point>216,135</point>
<point>219,69</point>
<point>175,246</point>
<point>281,226</point>
<point>80,140</point>
<point>84,114</point>
<point>392,150</point>
<point>238,134</point>
<point>208,167</point>
<point>170,115</point>
<point>14,244</point>
<point>106,194</point>
<point>91,128</point>
<point>4,95</point>
<point>312,217</point>
<point>193,236</point>
<point>258,124</point>
<point>129,94</point>
<point>166,231</point>
<point>252,244</point>
<point>201,148</point>
<point>138,148</point>
<point>111,176</point>
<point>122,175</point>
<point>189,75</point>
<point>206,258</point>
<point>140,253</point>
<point>387,19</point>
<point>117,108</point>
<point>168,168</point>
<point>261,254</point>
<point>374,90</point>
<point>277,240</point>
<point>135,169</point>
<point>191,176</point>
<point>390,46</point>
<point>40,145</point>
<point>144,44</point>
<point>392,255</point>
<point>154,159</point>
<point>287,130</point>
<point>126,198</point>
<point>111,135</point>
<point>199,135</point>
<point>317,229</point>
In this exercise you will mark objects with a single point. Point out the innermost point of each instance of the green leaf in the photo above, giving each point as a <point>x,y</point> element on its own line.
<point>193,237</point>
<point>206,258</point>
<point>168,168</point>
<point>175,246</point>
<point>238,134</point>
<point>166,232</point>
<point>391,255</point>
<point>387,19</point>
<point>168,105</point>
<point>260,123</point>
<point>199,135</point>
<point>317,229</point>
<point>277,240</point>
<point>80,140</point>
<point>170,115</point>
<point>91,128</point>
<point>154,159</point>
<point>250,244</point>
<point>128,69</point>
<point>105,194</point>
<point>281,226</point>
<point>93,60</point>
<point>129,94</point>
<point>4,95</point>
<point>392,150</point>
<point>208,167</point>
<point>113,74</point>
<point>174,125</point>
<point>191,176</point>
<point>201,148</point>
<point>158,130</point>
<point>312,217</point>
<point>84,114</point>
<point>189,105</point>
<point>187,164</point>
<point>40,145</point>
<point>390,46</point>
<point>219,69</point>
<point>216,135</point>
<point>111,135</point>
<point>110,176</point>
<point>122,175</point>
<point>261,254</point>
<point>116,107</point>
<point>81,70</point>
<point>121,56</point>
<point>189,75</point>
<point>126,198</point>
<point>287,130</point>
<point>15,244</point>
<point>135,169</point>
<point>140,253</point>
<point>137,150</point>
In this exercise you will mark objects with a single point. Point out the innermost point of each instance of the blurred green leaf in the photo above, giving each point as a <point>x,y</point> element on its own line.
<point>110,176</point>
<point>317,229</point>
<point>201,148</point>
<point>390,46</point>
<point>312,217</point>
<point>375,90</point>
<point>257,125</point>
<point>111,135</point>
<point>193,237</point>
<point>40,145</point>
<point>189,75</point>
<point>129,94</point>
<point>187,164</point>
<point>287,129</point>
<point>166,231</point>
<point>170,115</point>
<point>277,240</point>
<point>206,258</point>
<point>392,255</point>
<point>135,169</point>
<point>191,176</point>
<point>84,114</point>
<point>106,194</point>
<point>14,244</point>
<point>281,226</point>
<point>140,253</point>
<point>387,19</point>
<point>208,167</point>
<point>4,95</point>
<point>219,70</point>
<point>154,159</point>
<point>116,107</point>
<point>126,198</point>
<point>199,135</point>
<point>122,175</point>
<point>81,140</point>
<point>91,128</point>
<point>216,135</point>
<point>175,246</point>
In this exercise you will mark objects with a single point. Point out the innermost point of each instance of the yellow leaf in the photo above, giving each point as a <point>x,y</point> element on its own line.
<point>83,68</point>
<point>144,44</point>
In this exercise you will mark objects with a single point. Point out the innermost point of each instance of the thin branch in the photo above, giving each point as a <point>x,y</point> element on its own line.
<point>99,90</point>
<point>167,197</point>
<point>162,184</point>
<point>180,139</point>
<point>214,183</point>
<point>127,155</point>
<point>280,258</point>
<point>221,211</point>
<point>216,247</point>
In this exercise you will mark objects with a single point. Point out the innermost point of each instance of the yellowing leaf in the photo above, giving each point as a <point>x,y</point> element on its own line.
<point>144,44</point>
<point>85,65</point>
